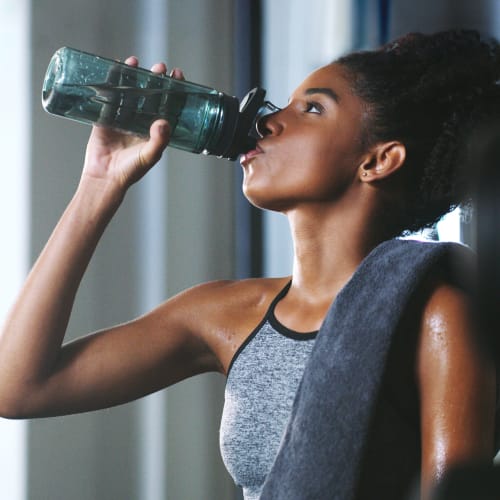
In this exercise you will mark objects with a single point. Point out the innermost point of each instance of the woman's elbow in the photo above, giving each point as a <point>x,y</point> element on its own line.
<point>13,404</point>
<point>11,410</point>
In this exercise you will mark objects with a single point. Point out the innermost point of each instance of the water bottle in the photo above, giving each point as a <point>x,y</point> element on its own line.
<point>93,89</point>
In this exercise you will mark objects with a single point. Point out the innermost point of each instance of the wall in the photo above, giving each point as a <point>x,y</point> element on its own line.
<point>173,231</point>
<point>429,16</point>
<point>14,211</point>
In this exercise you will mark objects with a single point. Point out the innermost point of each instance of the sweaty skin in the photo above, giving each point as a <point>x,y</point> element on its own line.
<point>456,385</point>
<point>310,165</point>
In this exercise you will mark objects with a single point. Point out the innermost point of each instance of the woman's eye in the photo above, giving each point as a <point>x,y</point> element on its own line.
<point>313,107</point>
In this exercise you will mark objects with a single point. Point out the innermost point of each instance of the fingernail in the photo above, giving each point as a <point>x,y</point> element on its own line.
<point>164,128</point>
<point>176,73</point>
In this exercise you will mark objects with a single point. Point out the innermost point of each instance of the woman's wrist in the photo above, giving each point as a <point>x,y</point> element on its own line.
<point>99,197</point>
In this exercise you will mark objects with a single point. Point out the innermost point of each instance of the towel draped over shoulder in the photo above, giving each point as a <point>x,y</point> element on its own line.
<point>325,442</point>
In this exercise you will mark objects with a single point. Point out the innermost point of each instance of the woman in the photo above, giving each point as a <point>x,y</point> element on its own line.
<point>368,147</point>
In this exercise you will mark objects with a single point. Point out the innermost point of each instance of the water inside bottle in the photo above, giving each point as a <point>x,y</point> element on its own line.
<point>133,109</point>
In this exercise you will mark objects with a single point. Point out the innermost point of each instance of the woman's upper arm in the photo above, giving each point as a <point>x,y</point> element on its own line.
<point>457,382</point>
<point>128,361</point>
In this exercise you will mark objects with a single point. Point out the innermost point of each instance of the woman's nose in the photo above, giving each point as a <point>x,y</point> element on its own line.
<point>261,126</point>
<point>265,123</point>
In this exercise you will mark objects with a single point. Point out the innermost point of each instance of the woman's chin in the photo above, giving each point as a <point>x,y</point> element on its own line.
<point>259,200</point>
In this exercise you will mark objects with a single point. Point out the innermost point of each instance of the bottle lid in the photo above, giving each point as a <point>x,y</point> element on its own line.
<point>229,116</point>
<point>244,137</point>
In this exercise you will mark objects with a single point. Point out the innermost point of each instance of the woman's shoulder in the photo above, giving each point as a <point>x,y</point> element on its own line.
<point>456,380</point>
<point>447,324</point>
<point>451,346</point>
<point>235,293</point>
<point>223,313</point>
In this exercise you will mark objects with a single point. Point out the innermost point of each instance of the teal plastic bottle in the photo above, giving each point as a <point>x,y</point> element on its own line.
<point>93,89</point>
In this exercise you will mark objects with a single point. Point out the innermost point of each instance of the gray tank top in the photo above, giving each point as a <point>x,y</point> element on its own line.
<point>262,380</point>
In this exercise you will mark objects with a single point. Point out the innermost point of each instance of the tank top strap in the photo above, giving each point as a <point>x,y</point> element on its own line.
<point>281,294</point>
<point>269,313</point>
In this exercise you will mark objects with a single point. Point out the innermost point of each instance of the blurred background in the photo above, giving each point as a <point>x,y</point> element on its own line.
<point>185,223</point>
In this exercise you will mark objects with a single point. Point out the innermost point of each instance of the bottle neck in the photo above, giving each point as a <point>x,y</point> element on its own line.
<point>227,123</point>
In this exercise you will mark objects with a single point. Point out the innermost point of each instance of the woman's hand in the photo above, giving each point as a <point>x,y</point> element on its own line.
<point>122,159</point>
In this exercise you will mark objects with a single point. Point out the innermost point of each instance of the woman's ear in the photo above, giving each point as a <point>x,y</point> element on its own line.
<point>383,160</point>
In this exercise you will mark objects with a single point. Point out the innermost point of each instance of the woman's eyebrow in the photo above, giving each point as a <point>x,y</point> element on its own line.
<point>323,90</point>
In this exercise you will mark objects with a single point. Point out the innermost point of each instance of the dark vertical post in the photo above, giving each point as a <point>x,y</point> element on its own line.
<point>485,178</point>
<point>371,23</point>
<point>384,20</point>
<point>247,64</point>
<point>359,24</point>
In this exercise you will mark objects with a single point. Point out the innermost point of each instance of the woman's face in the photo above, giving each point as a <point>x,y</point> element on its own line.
<point>310,149</point>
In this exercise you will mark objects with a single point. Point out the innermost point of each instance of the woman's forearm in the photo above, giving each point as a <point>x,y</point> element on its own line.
<point>31,338</point>
<point>34,330</point>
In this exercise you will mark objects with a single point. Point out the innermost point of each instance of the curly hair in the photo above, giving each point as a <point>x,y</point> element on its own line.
<point>429,92</point>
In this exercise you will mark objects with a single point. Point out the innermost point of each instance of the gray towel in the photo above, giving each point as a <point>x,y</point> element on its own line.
<point>324,443</point>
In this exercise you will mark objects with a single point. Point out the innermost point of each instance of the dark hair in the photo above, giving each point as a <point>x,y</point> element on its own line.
<point>429,92</point>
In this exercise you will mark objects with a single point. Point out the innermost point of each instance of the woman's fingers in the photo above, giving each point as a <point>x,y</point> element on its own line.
<point>159,68</point>
<point>156,68</point>
<point>159,135</point>
<point>177,73</point>
<point>132,61</point>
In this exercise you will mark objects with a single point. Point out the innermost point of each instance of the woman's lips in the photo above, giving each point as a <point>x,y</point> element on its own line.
<point>246,157</point>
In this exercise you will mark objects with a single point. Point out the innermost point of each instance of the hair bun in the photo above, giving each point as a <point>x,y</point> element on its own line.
<point>429,91</point>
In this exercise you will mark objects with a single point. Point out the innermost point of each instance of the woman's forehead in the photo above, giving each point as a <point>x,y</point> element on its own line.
<point>331,76</point>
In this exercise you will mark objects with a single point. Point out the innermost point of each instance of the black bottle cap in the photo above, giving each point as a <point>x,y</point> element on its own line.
<point>244,139</point>
<point>229,123</point>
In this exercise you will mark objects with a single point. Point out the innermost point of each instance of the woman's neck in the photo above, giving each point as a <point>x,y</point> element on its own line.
<point>329,244</point>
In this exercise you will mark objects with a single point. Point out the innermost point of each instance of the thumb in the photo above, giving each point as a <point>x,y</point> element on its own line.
<point>159,135</point>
